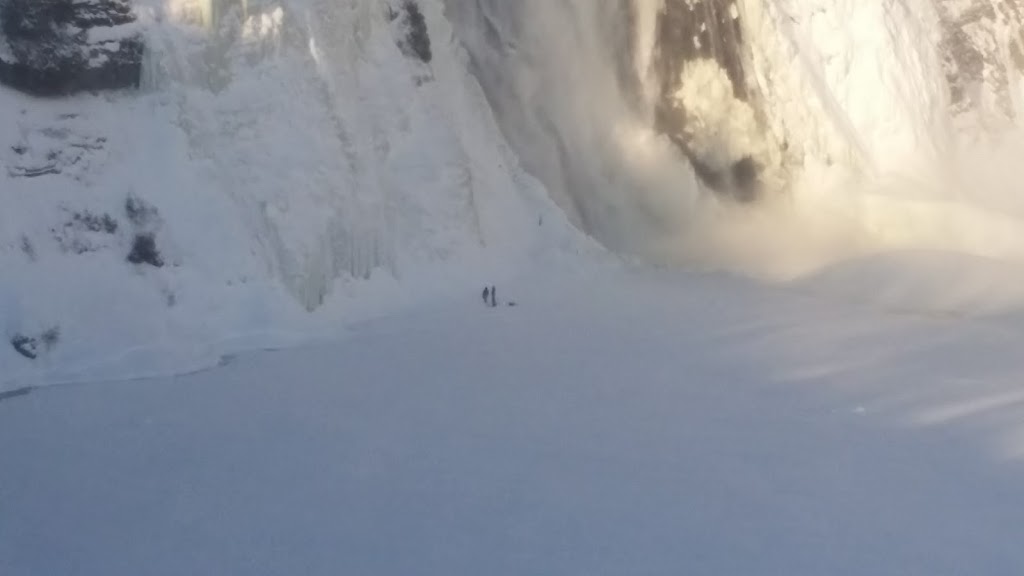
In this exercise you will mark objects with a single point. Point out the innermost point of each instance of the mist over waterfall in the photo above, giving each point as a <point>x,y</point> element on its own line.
<point>562,78</point>
<point>771,134</point>
<point>635,114</point>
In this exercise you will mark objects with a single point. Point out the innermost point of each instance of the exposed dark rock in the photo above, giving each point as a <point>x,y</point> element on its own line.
<point>699,29</point>
<point>32,346</point>
<point>92,13</point>
<point>27,248</point>
<point>54,47</point>
<point>94,223</point>
<point>50,337</point>
<point>983,52</point>
<point>741,181</point>
<point>745,174</point>
<point>33,172</point>
<point>146,221</point>
<point>140,213</point>
<point>417,40</point>
<point>690,30</point>
<point>144,251</point>
<point>52,151</point>
<point>85,232</point>
<point>27,347</point>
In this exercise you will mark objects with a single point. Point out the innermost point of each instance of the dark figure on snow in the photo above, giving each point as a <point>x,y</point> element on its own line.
<point>494,296</point>
<point>487,293</point>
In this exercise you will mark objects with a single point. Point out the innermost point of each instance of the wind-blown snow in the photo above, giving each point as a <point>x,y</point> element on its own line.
<point>719,127</point>
<point>854,127</point>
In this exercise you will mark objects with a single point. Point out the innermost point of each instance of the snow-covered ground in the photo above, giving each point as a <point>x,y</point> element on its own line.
<point>614,422</point>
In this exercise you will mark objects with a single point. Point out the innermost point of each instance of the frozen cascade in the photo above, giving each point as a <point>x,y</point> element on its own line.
<point>345,231</point>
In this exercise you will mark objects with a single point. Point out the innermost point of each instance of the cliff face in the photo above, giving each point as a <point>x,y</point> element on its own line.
<point>983,52</point>
<point>60,47</point>
<point>288,165</point>
<point>754,91</point>
<point>699,55</point>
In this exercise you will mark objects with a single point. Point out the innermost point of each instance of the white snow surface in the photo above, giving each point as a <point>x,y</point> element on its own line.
<point>614,422</point>
<point>864,153</point>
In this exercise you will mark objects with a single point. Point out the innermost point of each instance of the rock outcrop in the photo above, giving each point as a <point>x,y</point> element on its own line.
<point>692,37</point>
<point>983,51</point>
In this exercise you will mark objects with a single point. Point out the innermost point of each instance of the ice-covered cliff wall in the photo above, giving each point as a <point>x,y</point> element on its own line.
<point>277,153</point>
<point>648,119</point>
<point>280,157</point>
<point>983,52</point>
